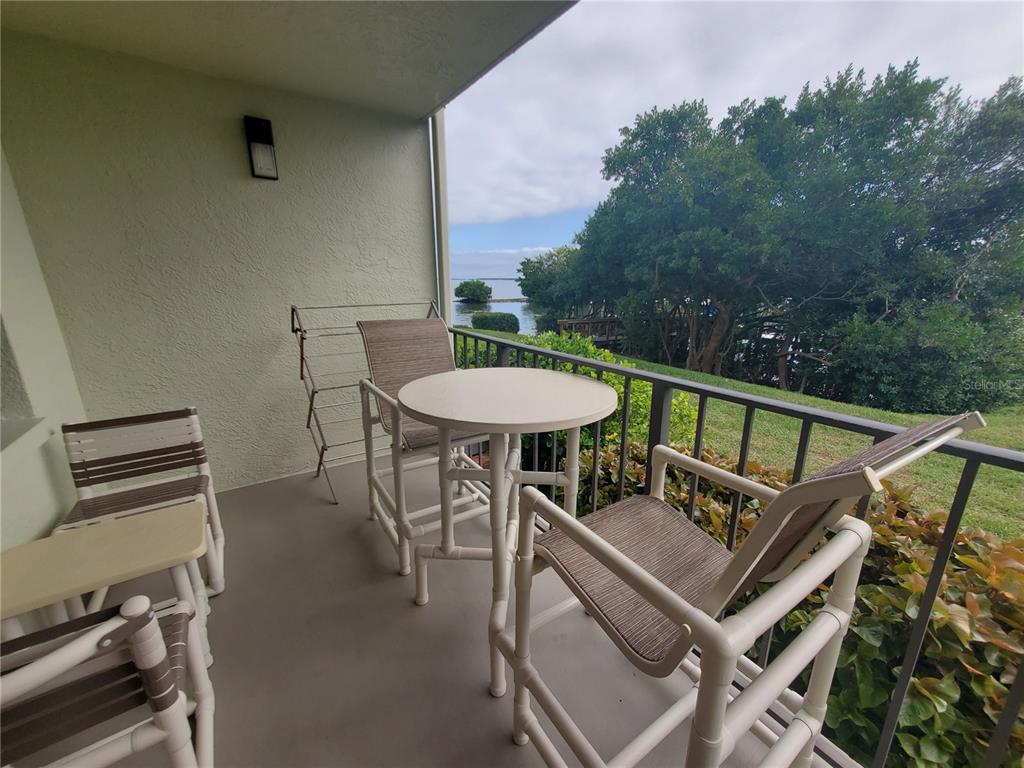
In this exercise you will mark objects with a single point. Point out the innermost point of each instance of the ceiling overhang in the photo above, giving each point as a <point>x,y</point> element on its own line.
<point>407,58</point>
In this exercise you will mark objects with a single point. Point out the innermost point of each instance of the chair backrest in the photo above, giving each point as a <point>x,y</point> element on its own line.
<point>400,351</point>
<point>795,521</point>
<point>134,446</point>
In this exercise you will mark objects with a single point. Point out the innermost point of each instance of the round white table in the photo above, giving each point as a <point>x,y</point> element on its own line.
<point>503,403</point>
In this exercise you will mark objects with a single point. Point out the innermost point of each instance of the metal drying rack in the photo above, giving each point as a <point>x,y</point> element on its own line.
<point>331,364</point>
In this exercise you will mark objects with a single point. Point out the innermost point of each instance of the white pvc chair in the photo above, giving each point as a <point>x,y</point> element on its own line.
<point>107,459</point>
<point>397,352</point>
<point>62,681</point>
<point>658,586</point>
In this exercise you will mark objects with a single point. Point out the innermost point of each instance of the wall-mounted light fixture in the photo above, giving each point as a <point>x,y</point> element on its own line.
<point>262,157</point>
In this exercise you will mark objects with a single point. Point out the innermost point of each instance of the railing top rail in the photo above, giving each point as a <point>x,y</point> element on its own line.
<point>965,449</point>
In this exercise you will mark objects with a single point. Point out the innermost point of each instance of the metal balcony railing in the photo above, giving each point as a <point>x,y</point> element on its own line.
<point>478,350</point>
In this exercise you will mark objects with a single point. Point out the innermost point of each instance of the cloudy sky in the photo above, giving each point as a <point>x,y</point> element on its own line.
<point>525,142</point>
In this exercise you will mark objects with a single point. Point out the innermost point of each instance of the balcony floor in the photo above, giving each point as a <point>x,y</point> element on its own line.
<point>322,659</point>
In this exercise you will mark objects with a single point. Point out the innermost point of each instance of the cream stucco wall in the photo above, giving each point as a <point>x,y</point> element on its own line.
<point>172,269</point>
<point>35,486</point>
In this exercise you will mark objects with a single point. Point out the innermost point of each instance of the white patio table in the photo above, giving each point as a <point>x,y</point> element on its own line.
<point>503,403</point>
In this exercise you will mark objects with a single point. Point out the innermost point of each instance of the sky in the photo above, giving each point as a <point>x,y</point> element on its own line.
<point>525,142</point>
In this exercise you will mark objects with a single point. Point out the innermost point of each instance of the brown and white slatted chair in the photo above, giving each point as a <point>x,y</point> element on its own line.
<point>62,681</point>
<point>657,585</point>
<point>397,352</point>
<point>108,459</point>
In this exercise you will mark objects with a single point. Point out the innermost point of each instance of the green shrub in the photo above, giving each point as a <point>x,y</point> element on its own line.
<point>975,638</point>
<point>684,413</point>
<point>496,321</point>
<point>474,290</point>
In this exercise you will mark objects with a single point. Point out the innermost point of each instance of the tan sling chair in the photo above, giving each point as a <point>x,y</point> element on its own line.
<point>400,351</point>
<point>658,585</point>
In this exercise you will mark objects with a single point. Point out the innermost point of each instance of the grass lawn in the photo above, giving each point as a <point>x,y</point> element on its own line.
<point>997,502</point>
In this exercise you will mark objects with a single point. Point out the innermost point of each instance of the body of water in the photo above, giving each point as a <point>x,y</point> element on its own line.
<point>506,297</point>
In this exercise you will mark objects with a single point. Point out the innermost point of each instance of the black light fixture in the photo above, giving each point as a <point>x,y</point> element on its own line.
<point>262,158</point>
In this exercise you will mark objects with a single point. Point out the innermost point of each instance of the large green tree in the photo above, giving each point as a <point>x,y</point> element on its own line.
<point>864,243</point>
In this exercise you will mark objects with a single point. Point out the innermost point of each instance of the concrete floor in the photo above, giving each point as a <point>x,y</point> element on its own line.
<point>322,659</point>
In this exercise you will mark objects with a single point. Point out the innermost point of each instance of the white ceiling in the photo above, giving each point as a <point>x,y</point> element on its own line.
<point>404,57</point>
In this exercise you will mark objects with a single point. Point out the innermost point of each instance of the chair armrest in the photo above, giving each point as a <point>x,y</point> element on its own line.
<point>852,539</point>
<point>663,455</point>
<point>24,680</point>
<point>379,393</point>
<point>639,580</point>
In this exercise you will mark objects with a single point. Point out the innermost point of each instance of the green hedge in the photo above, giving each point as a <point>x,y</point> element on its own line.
<point>496,321</point>
<point>684,413</point>
<point>975,638</point>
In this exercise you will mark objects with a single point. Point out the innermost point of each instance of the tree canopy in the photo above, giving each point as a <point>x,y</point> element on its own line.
<point>473,290</point>
<point>863,244</point>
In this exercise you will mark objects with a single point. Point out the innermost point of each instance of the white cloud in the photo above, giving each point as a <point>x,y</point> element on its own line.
<point>527,139</point>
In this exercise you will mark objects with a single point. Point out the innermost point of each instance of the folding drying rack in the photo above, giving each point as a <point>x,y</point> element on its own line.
<point>331,363</point>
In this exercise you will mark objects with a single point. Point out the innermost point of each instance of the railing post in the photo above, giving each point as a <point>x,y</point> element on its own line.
<point>658,426</point>
<point>503,355</point>
<point>1001,735</point>
<point>924,610</point>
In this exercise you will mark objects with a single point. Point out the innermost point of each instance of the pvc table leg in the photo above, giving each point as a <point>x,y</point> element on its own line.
<point>499,560</point>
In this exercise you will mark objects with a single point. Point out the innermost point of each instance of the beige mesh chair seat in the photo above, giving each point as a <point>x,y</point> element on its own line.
<point>122,665</point>
<point>659,588</point>
<point>417,435</point>
<point>398,352</point>
<point>658,539</point>
<point>159,494</point>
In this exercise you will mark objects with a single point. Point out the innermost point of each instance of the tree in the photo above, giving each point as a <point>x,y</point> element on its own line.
<point>473,290</point>
<point>552,282</point>
<point>794,245</point>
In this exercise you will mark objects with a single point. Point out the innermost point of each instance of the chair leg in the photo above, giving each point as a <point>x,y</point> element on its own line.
<point>198,586</point>
<point>96,600</point>
<point>370,460</point>
<point>75,607</point>
<point>174,722</point>
<point>213,566</point>
<point>11,628</point>
<point>403,555</point>
<point>215,543</point>
<point>422,553</point>
<point>842,595</point>
<point>521,714</point>
<point>57,614</point>
<point>203,692</point>
<point>717,671</point>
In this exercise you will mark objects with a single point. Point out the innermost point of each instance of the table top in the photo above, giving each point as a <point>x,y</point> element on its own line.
<point>507,400</point>
<point>73,562</point>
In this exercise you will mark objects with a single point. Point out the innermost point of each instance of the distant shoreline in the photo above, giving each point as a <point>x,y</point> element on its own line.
<point>493,301</point>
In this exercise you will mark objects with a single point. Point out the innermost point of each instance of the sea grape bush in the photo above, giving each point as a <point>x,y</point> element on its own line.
<point>975,638</point>
<point>496,321</point>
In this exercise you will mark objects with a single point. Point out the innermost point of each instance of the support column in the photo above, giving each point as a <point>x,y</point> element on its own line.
<point>439,174</point>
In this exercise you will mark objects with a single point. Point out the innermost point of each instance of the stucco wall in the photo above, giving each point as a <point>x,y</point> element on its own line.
<point>35,487</point>
<point>172,269</point>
